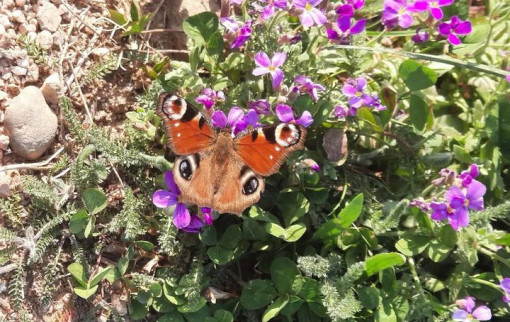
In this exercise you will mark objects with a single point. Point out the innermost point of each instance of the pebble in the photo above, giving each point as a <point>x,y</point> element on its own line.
<point>4,21</point>
<point>21,3</point>
<point>8,3</point>
<point>335,145</point>
<point>32,74</point>
<point>30,123</point>
<point>51,89</point>
<point>48,17</point>
<point>3,95</point>
<point>45,39</point>
<point>4,185</point>
<point>18,16</point>
<point>4,142</point>
<point>20,71</point>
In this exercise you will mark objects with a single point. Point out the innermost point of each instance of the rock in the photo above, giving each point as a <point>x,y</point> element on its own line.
<point>4,142</point>
<point>32,73</point>
<point>20,3</point>
<point>48,17</point>
<point>51,89</point>
<point>44,39</point>
<point>4,185</point>
<point>335,145</point>
<point>3,95</point>
<point>20,71</point>
<point>8,3</point>
<point>19,16</point>
<point>30,123</point>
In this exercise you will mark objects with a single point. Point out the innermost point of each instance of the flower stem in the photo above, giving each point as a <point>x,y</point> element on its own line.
<point>493,255</point>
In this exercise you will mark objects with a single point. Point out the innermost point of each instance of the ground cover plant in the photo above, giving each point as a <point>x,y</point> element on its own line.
<point>396,210</point>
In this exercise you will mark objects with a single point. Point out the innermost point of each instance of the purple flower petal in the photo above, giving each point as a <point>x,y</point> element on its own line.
<point>460,315</point>
<point>462,217</point>
<point>306,19</point>
<point>444,28</point>
<point>361,83</point>
<point>340,112</point>
<point>285,113</point>
<point>277,75</point>
<point>475,190</point>
<point>267,13</point>
<point>219,119</point>
<point>468,303</point>
<point>262,60</point>
<point>260,71</point>
<point>318,17</point>
<point>230,24</point>
<point>332,34</point>
<point>463,28</point>
<point>164,199</point>
<point>251,118</point>
<point>235,115</point>
<point>443,3</point>
<point>438,211</point>
<point>455,196</point>
<point>182,217</point>
<point>170,183</point>
<point>358,27</point>
<point>301,4</point>
<point>208,216</point>
<point>345,10</point>
<point>195,225</point>
<point>437,13</point>
<point>305,120</point>
<point>506,298</point>
<point>405,21</point>
<point>355,102</point>
<point>482,313</point>
<point>278,59</point>
<point>505,284</point>
<point>454,40</point>
<point>349,90</point>
<point>314,3</point>
<point>420,6</point>
<point>344,23</point>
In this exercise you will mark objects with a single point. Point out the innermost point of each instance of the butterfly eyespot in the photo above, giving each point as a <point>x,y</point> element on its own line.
<point>185,169</point>
<point>250,186</point>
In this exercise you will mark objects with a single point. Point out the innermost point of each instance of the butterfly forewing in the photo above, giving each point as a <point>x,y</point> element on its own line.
<point>186,129</point>
<point>265,149</point>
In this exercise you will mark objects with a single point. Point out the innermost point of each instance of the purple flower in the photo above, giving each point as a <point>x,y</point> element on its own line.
<point>453,28</point>
<point>270,66</point>
<point>420,203</point>
<point>376,104</point>
<point>420,36</point>
<point>167,198</point>
<point>434,6</point>
<point>349,7</point>
<point>209,97</point>
<point>345,30</point>
<point>286,115</point>
<point>469,175</point>
<point>236,1</point>
<point>472,198</point>
<point>312,165</point>
<point>447,176</point>
<point>208,216</point>
<point>310,15</point>
<point>354,89</point>
<point>340,112</point>
<point>261,106</point>
<point>397,11</point>
<point>508,78</point>
<point>239,35</point>
<point>467,311</point>
<point>307,86</point>
<point>505,286</point>
<point>236,120</point>
<point>269,10</point>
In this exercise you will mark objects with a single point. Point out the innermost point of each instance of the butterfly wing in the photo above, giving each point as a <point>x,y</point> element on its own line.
<point>186,129</point>
<point>265,149</point>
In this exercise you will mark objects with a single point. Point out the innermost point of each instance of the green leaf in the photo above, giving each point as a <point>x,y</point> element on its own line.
<point>94,200</point>
<point>192,306</point>
<point>437,160</point>
<point>257,294</point>
<point>134,11</point>
<point>223,316</point>
<point>418,112</point>
<point>412,244</point>
<point>99,276</point>
<point>117,17</point>
<point>137,311</point>
<point>275,308</point>
<point>231,236</point>
<point>172,317</point>
<point>85,293</point>
<point>90,226</point>
<point>290,234</point>
<point>461,154</point>
<point>379,262</point>
<point>78,272</point>
<point>156,289</point>
<point>438,252</point>
<point>385,313</point>
<point>215,46</point>
<point>122,265</point>
<point>448,236</point>
<point>369,297</point>
<point>208,236</point>
<point>201,27</point>
<point>416,76</point>
<point>220,255</point>
<point>79,221</point>
<point>283,273</point>
<point>162,305</point>
<point>503,240</point>
<point>145,245</point>
<point>351,212</point>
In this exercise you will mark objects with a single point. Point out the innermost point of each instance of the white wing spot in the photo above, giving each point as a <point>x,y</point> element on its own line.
<point>270,157</point>
<point>277,148</point>
<point>178,134</point>
<point>177,124</point>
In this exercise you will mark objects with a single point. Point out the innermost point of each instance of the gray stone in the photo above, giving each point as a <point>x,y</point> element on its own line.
<point>30,123</point>
<point>45,39</point>
<point>48,17</point>
<point>51,89</point>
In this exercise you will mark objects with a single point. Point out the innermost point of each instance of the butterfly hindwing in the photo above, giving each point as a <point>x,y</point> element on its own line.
<point>186,129</point>
<point>265,149</point>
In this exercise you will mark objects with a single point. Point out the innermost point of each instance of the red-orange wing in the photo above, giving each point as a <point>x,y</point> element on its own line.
<point>265,149</point>
<point>186,129</point>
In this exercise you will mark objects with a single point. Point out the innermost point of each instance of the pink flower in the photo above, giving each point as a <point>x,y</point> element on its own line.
<point>270,66</point>
<point>310,15</point>
<point>467,311</point>
<point>434,6</point>
<point>239,35</point>
<point>307,86</point>
<point>397,11</point>
<point>286,115</point>
<point>269,10</point>
<point>345,30</point>
<point>209,97</point>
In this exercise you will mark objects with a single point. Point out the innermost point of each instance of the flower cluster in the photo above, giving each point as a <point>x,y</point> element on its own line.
<point>238,33</point>
<point>236,120</point>
<point>356,91</point>
<point>467,311</point>
<point>182,218</point>
<point>345,27</point>
<point>464,193</point>
<point>400,12</point>
<point>210,97</point>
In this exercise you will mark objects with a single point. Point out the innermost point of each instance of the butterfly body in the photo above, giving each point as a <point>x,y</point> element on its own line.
<point>216,170</point>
